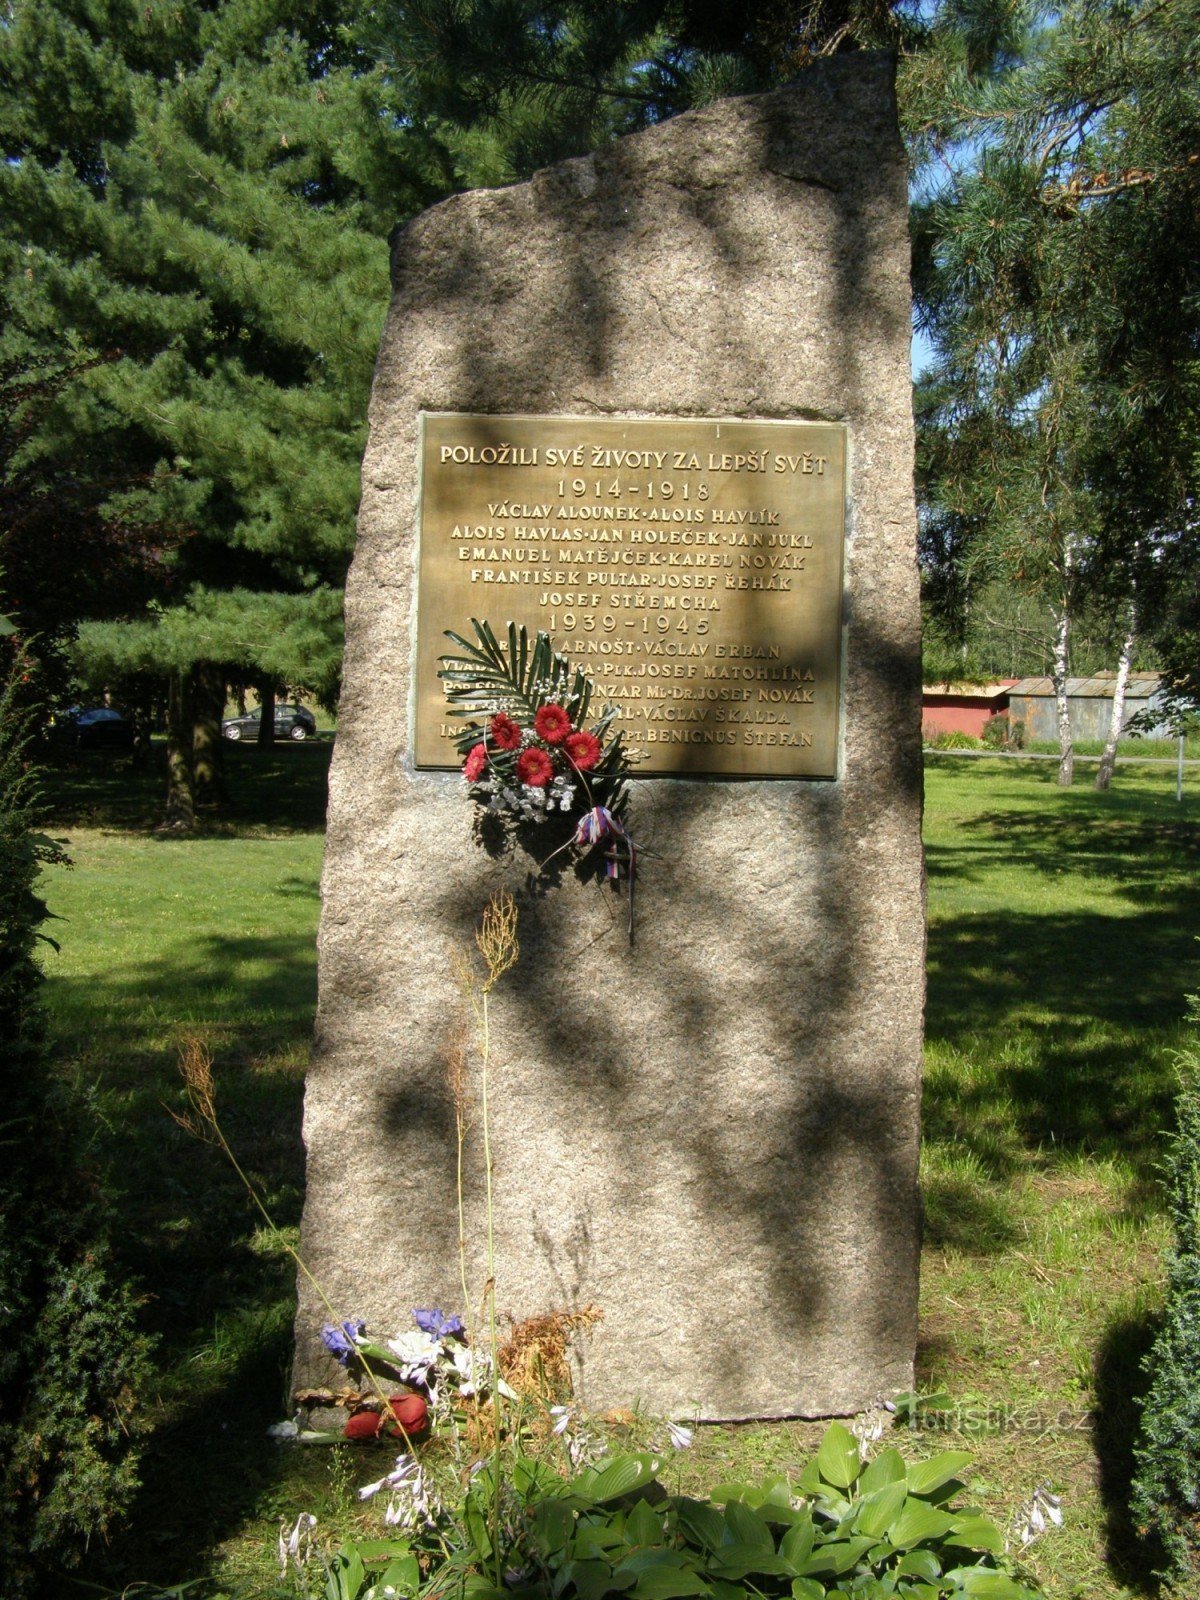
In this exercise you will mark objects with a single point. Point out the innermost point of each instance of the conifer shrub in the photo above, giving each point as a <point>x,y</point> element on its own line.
<point>1165,1498</point>
<point>71,1355</point>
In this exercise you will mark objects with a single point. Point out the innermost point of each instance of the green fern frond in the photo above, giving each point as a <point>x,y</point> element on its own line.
<point>518,679</point>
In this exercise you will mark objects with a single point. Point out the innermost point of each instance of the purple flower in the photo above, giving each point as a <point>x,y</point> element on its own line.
<point>341,1340</point>
<point>437,1324</point>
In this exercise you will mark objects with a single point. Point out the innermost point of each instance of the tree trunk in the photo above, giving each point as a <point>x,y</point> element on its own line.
<point>208,751</point>
<point>1062,708</point>
<point>266,707</point>
<point>1109,759</point>
<point>181,795</point>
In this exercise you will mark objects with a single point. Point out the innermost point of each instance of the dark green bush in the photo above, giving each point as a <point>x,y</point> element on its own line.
<point>71,1358</point>
<point>1165,1497</point>
<point>1003,732</point>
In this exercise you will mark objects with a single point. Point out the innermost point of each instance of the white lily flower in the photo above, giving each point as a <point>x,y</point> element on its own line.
<point>1032,1520</point>
<point>679,1436</point>
<point>295,1546</point>
<point>413,1500</point>
<point>284,1430</point>
<point>415,1353</point>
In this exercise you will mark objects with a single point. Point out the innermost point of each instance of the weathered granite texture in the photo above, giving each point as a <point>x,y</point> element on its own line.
<point>713,1136</point>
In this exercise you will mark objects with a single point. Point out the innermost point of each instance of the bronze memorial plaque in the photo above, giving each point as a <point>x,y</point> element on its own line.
<point>692,568</point>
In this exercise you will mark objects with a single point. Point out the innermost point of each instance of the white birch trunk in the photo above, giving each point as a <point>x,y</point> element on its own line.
<point>1058,677</point>
<point>1062,707</point>
<point>1109,758</point>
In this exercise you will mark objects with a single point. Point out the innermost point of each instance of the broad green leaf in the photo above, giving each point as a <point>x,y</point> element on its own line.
<point>477,1528</point>
<point>701,1523</point>
<point>725,1492</point>
<point>592,1579</point>
<point>836,1555</point>
<point>975,1532</point>
<point>643,1525</point>
<point>665,1583</point>
<point>734,1561</point>
<point>879,1510</point>
<point>807,1589</point>
<point>887,1467</point>
<point>348,1572</point>
<point>530,1475</point>
<point>618,1478</point>
<point>925,1476</point>
<point>918,1522</point>
<point>809,1480</point>
<point>477,1588</point>
<point>553,1525</point>
<point>403,1575</point>
<point>796,1544</point>
<point>920,1564</point>
<point>382,1549</point>
<point>748,1527</point>
<point>639,1562</point>
<point>776,1491</point>
<point>838,1459</point>
<point>596,1538</point>
<point>983,1584</point>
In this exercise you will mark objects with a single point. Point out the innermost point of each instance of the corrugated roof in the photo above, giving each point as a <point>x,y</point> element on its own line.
<point>969,691</point>
<point>1100,686</point>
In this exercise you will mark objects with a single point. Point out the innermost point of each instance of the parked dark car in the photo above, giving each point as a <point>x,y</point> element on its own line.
<point>102,728</point>
<point>291,722</point>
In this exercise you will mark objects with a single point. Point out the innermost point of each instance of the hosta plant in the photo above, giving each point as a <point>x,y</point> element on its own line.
<point>889,1528</point>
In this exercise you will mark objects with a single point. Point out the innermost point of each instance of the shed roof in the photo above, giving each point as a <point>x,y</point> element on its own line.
<point>969,691</point>
<point>1100,686</point>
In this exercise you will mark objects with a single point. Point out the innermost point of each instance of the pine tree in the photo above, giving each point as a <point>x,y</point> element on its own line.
<point>1165,1498</point>
<point>1058,241</point>
<point>201,194</point>
<point>516,84</point>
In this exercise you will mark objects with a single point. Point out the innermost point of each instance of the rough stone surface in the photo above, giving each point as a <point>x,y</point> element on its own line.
<point>713,1136</point>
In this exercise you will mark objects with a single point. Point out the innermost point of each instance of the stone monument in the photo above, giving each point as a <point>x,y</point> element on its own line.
<point>656,401</point>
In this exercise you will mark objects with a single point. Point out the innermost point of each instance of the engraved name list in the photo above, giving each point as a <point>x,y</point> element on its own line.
<point>692,568</point>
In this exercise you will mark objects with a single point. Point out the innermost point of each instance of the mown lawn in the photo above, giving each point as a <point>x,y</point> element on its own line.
<point>1062,942</point>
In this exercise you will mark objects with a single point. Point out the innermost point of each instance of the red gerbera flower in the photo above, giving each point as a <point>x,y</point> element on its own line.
<point>535,768</point>
<point>476,762</point>
<point>552,724</point>
<point>504,733</point>
<point>583,749</point>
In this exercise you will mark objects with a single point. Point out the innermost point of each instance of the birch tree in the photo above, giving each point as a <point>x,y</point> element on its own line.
<point>1058,237</point>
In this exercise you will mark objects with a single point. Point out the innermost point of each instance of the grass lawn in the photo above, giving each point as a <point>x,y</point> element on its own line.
<point>1062,942</point>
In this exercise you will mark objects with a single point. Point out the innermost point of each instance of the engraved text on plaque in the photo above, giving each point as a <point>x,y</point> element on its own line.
<point>692,568</point>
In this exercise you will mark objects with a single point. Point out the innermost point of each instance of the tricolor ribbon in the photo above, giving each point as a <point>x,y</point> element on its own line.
<point>595,826</point>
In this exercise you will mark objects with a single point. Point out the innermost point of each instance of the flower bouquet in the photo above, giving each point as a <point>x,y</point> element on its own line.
<point>437,1367</point>
<point>530,752</point>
